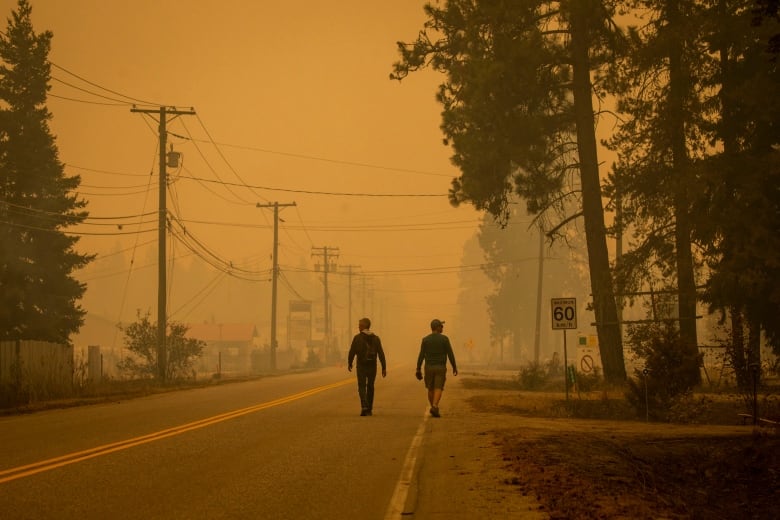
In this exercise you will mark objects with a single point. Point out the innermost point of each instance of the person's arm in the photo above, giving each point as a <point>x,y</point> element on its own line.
<point>381,353</point>
<point>420,357</point>
<point>451,356</point>
<point>352,352</point>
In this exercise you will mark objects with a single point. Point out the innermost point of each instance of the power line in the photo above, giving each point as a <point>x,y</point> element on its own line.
<point>109,172</point>
<point>71,85</point>
<point>313,192</point>
<point>87,102</point>
<point>219,151</point>
<point>211,168</point>
<point>63,69</point>
<point>76,233</point>
<point>334,161</point>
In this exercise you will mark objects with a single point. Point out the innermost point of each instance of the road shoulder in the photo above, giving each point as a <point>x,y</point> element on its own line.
<point>461,473</point>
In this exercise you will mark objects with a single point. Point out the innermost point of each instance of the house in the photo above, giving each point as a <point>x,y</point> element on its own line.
<point>228,348</point>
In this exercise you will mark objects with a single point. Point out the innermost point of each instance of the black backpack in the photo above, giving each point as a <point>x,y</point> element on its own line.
<point>370,348</point>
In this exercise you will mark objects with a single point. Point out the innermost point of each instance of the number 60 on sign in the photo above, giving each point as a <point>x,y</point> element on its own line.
<point>564,313</point>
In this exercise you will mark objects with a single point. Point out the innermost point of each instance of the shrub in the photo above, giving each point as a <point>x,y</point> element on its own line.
<point>533,376</point>
<point>141,341</point>
<point>667,375</point>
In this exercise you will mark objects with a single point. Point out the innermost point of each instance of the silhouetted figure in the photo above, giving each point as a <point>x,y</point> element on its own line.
<point>367,347</point>
<point>435,350</point>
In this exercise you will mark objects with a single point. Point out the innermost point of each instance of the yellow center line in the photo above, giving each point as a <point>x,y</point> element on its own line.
<point>46,465</point>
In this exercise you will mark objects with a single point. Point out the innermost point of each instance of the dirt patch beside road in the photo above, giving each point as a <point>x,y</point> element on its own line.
<point>581,468</point>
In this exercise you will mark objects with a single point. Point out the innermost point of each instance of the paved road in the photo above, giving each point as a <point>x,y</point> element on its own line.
<point>291,447</point>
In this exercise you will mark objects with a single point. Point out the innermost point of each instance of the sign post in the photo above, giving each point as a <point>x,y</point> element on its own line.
<point>564,316</point>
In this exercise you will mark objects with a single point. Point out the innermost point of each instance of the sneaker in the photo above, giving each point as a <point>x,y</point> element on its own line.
<point>435,411</point>
<point>364,412</point>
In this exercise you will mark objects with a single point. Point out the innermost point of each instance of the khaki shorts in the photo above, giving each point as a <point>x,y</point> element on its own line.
<point>435,376</point>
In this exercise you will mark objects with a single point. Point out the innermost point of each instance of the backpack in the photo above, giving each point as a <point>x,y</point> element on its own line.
<point>370,348</point>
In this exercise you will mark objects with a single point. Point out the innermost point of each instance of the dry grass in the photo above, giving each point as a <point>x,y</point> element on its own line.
<point>592,457</point>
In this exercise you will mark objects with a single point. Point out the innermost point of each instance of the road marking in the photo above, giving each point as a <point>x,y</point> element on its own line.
<point>398,502</point>
<point>27,470</point>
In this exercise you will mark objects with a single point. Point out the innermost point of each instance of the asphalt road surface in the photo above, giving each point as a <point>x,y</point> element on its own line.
<point>291,447</point>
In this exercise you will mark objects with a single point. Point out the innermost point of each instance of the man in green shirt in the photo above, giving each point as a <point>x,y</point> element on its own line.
<point>435,350</point>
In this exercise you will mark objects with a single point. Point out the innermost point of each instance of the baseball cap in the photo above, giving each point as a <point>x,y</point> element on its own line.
<point>436,323</point>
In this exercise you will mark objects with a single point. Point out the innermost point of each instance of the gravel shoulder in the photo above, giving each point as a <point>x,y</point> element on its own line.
<point>499,453</point>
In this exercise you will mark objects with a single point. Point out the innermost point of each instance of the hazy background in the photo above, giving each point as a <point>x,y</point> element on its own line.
<point>297,97</point>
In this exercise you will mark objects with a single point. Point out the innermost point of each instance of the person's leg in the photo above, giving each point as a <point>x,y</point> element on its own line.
<point>361,382</point>
<point>370,379</point>
<point>429,379</point>
<point>436,397</point>
<point>438,388</point>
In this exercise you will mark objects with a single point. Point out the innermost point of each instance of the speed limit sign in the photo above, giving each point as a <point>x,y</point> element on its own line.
<point>564,313</point>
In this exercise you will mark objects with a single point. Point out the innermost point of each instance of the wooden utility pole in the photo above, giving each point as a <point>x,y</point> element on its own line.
<point>349,298</point>
<point>162,282</point>
<point>276,206</point>
<point>326,253</point>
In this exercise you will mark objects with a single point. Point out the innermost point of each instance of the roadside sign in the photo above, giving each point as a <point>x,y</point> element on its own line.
<point>564,313</point>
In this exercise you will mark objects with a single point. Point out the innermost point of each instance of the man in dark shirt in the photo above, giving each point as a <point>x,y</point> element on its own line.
<point>435,350</point>
<point>367,347</point>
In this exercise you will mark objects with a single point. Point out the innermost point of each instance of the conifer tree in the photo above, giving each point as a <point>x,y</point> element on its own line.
<point>38,294</point>
<point>519,115</point>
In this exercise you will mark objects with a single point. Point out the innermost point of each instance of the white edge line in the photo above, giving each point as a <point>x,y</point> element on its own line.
<point>396,508</point>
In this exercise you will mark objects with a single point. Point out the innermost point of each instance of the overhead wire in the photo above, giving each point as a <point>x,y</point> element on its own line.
<point>211,168</point>
<point>109,172</point>
<point>286,282</point>
<point>74,233</point>
<point>201,295</point>
<point>125,289</point>
<point>222,155</point>
<point>85,101</point>
<point>131,98</point>
<point>91,93</point>
<point>333,161</point>
<point>213,192</point>
<point>320,192</point>
<point>210,257</point>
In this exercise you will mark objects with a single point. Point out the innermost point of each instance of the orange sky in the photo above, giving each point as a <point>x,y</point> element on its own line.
<point>298,96</point>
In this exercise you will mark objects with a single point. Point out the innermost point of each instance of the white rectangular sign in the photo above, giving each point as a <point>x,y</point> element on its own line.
<point>564,313</point>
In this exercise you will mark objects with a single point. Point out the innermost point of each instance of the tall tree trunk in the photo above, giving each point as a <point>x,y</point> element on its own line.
<point>736,351</point>
<point>686,284</point>
<point>604,306</point>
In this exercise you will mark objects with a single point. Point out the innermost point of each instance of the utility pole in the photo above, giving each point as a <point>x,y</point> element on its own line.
<point>162,282</point>
<point>324,253</point>
<point>367,286</point>
<point>349,302</point>
<point>276,206</point>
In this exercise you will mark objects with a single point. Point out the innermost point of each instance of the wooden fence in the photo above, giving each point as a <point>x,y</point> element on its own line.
<point>34,370</point>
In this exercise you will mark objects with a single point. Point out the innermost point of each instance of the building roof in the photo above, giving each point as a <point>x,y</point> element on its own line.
<point>236,332</point>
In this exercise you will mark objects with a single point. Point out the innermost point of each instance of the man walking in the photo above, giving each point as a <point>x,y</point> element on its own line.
<point>435,350</point>
<point>367,347</point>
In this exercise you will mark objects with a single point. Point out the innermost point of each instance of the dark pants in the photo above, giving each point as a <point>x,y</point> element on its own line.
<point>366,375</point>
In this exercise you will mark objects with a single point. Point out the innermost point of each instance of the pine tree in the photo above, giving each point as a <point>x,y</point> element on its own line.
<point>38,294</point>
<point>519,115</point>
